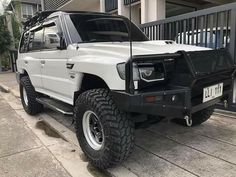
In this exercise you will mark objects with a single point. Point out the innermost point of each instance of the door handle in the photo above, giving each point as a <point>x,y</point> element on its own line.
<point>43,62</point>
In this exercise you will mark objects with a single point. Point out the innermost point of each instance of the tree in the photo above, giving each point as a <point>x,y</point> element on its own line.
<point>16,31</point>
<point>5,38</point>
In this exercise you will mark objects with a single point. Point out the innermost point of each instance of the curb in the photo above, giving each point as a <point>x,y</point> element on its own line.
<point>4,88</point>
<point>229,114</point>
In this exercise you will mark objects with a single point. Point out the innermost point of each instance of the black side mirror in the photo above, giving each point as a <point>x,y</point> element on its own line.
<point>62,45</point>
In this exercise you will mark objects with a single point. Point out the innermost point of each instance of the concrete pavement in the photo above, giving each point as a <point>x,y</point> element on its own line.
<point>21,152</point>
<point>163,149</point>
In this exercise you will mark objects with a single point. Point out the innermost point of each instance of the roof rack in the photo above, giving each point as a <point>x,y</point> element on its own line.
<point>39,17</point>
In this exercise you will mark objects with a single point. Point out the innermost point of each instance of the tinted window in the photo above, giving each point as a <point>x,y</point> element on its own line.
<point>51,37</point>
<point>36,40</point>
<point>94,28</point>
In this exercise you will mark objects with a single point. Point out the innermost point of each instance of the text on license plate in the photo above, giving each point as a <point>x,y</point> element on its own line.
<point>212,92</point>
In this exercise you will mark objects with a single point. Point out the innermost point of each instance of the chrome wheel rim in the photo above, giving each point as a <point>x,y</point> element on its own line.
<point>93,130</point>
<point>25,97</point>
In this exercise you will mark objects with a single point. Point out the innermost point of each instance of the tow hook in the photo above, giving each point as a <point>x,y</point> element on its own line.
<point>189,121</point>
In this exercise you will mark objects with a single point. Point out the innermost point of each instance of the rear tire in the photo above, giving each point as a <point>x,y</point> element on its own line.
<point>28,97</point>
<point>114,128</point>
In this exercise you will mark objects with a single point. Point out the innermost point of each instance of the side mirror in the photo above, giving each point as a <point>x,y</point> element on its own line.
<point>62,45</point>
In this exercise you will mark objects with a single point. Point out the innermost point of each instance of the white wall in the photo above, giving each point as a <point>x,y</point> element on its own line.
<point>124,10</point>
<point>152,10</point>
<point>136,15</point>
<point>83,5</point>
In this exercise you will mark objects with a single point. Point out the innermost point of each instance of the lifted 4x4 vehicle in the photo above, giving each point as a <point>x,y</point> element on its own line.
<point>78,63</point>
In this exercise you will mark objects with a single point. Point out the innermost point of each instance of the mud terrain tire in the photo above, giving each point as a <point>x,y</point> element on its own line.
<point>117,129</point>
<point>28,97</point>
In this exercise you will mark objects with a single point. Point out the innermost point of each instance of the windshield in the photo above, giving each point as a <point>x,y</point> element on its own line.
<point>104,28</point>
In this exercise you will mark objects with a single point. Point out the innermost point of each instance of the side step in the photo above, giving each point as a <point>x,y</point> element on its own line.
<point>56,105</point>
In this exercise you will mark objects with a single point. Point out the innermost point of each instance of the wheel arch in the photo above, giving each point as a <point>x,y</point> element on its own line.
<point>89,82</point>
<point>23,73</point>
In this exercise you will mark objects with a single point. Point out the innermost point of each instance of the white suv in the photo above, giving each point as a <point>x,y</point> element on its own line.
<point>79,63</point>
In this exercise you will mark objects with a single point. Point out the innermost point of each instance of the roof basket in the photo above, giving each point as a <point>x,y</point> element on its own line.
<point>39,17</point>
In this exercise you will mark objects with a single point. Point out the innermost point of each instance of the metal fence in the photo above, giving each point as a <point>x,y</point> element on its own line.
<point>126,2</point>
<point>214,27</point>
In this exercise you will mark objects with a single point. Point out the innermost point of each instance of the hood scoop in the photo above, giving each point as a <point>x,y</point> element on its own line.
<point>169,42</point>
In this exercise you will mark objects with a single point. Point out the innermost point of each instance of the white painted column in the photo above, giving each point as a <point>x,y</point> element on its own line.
<point>102,6</point>
<point>42,4</point>
<point>122,9</point>
<point>153,10</point>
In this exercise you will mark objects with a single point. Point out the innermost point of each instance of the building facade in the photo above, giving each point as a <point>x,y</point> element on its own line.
<point>24,9</point>
<point>17,12</point>
<point>143,11</point>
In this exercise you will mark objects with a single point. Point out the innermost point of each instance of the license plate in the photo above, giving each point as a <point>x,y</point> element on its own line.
<point>212,92</point>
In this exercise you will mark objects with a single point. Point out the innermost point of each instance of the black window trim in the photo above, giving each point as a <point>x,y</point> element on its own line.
<point>27,45</point>
<point>57,20</point>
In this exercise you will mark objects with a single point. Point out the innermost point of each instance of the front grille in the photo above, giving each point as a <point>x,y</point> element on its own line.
<point>207,62</point>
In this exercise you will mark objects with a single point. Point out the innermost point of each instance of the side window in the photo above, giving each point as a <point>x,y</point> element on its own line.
<point>24,42</point>
<point>36,40</point>
<point>51,37</point>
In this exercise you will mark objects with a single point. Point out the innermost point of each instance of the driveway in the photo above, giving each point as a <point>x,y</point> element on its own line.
<point>170,150</point>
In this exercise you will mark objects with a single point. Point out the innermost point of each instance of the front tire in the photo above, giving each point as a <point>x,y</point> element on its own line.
<point>105,133</point>
<point>28,97</point>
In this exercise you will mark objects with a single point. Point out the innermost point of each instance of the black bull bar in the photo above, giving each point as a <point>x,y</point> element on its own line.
<point>192,72</point>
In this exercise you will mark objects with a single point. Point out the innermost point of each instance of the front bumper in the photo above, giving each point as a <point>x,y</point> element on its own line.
<point>181,92</point>
<point>172,102</point>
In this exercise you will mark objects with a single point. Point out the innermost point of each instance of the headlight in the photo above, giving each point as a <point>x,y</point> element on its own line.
<point>121,71</point>
<point>146,71</point>
<point>152,73</point>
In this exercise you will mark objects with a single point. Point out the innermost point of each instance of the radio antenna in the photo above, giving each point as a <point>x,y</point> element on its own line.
<point>131,82</point>
<point>130,30</point>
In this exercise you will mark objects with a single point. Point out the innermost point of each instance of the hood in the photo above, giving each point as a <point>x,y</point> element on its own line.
<point>121,50</point>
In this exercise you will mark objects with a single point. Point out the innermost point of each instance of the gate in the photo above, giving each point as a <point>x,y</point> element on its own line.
<point>214,28</point>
